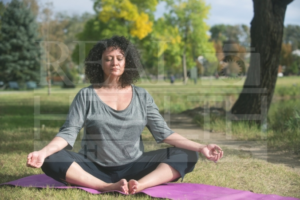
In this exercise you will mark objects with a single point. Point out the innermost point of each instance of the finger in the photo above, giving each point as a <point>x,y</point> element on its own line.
<point>29,165</point>
<point>214,152</point>
<point>218,157</point>
<point>218,148</point>
<point>28,162</point>
<point>211,157</point>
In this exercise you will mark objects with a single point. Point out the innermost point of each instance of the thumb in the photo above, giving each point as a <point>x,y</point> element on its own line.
<point>29,156</point>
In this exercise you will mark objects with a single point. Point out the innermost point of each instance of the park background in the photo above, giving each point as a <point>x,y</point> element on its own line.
<point>199,43</point>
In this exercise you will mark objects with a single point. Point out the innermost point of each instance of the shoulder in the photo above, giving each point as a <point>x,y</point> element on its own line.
<point>139,90</point>
<point>142,93</point>
<point>85,92</point>
<point>85,89</point>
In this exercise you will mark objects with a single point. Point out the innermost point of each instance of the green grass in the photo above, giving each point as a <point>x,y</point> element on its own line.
<point>21,123</point>
<point>283,126</point>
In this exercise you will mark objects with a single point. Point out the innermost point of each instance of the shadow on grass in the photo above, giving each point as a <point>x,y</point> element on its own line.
<point>271,156</point>
<point>15,109</point>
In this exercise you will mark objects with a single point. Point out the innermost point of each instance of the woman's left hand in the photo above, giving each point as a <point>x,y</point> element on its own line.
<point>212,152</point>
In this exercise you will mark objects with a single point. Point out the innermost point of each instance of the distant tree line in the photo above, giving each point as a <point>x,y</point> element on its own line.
<point>37,44</point>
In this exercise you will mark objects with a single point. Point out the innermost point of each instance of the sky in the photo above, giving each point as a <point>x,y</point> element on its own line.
<point>222,12</point>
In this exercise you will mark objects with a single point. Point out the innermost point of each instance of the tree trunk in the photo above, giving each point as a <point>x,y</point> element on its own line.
<point>184,68</point>
<point>266,40</point>
<point>184,56</point>
<point>49,79</point>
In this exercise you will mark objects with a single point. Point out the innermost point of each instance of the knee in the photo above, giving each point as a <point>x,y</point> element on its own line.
<point>183,160</point>
<point>50,163</point>
<point>55,165</point>
<point>190,156</point>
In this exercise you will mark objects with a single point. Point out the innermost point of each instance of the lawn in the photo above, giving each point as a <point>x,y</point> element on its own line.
<point>30,119</point>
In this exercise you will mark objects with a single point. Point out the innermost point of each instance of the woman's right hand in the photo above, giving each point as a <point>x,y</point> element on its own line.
<point>35,159</point>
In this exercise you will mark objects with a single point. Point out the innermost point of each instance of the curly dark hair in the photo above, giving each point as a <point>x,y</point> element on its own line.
<point>93,69</point>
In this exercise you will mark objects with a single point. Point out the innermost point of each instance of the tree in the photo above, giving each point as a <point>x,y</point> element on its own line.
<point>188,16</point>
<point>289,60</point>
<point>266,40</point>
<point>20,51</point>
<point>59,32</point>
<point>286,56</point>
<point>2,9</point>
<point>131,18</point>
<point>292,36</point>
<point>161,53</point>
<point>237,33</point>
<point>129,13</point>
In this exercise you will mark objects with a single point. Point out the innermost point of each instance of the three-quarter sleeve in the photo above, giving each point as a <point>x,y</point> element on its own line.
<point>75,120</point>
<point>155,122</point>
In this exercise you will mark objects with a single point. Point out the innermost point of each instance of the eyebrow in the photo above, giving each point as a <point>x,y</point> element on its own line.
<point>116,55</point>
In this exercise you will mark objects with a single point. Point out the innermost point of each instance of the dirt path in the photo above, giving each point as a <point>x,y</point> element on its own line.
<point>183,124</point>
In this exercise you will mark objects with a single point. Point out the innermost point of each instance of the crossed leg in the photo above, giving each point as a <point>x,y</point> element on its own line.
<point>162,174</point>
<point>147,174</point>
<point>77,176</point>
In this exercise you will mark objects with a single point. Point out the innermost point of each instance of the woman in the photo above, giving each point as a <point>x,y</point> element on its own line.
<point>114,113</point>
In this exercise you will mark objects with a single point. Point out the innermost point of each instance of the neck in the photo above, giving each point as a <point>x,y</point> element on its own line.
<point>112,83</point>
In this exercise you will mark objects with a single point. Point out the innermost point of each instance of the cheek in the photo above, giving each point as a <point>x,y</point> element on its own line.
<point>123,65</point>
<point>104,65</point>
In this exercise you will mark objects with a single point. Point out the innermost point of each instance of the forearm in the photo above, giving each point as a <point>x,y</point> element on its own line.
<point>54,146</point>
<point>181,142</point>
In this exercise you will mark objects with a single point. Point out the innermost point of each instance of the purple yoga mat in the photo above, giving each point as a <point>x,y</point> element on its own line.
<point>178,191</point>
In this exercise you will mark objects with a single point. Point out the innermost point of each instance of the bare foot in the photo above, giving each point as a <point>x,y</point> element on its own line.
<point>121,186</point>
<point>134,186</point>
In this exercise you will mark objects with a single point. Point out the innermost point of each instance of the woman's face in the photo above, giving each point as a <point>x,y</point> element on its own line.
<point>113,62</point>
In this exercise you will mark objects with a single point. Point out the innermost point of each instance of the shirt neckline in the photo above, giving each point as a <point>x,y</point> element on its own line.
<point>129,105</point>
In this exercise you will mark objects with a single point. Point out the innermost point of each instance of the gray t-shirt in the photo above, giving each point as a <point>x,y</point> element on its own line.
<point>111,137</point>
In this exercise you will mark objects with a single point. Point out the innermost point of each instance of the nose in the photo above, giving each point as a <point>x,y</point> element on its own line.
<point>115,61</point>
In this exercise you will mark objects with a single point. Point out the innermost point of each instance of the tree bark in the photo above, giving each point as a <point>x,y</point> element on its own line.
<point>49,79</point>
<point>184,56</point>
<point>266,40</point>
<point>184,68</point>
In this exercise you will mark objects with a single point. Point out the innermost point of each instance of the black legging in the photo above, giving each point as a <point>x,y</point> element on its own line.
<point>181,160</point>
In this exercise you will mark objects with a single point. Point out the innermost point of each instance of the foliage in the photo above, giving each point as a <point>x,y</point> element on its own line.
<point>291,35</point>
<point>20,51</point>
<point>237,33</point>
<point>218,32</point>
<point>290,61</point>
<point>291,42</point>
<point>132,14</point>
<point>138,21</point>
<point>32,5</point>
<point>161,49</point>
<point>188,17</point>
<point>286,54</point>
<point>59,32</point>
<point>294,122</point>
<point>131,18</point>
<point>2,9</point>
<point>230,43</point>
